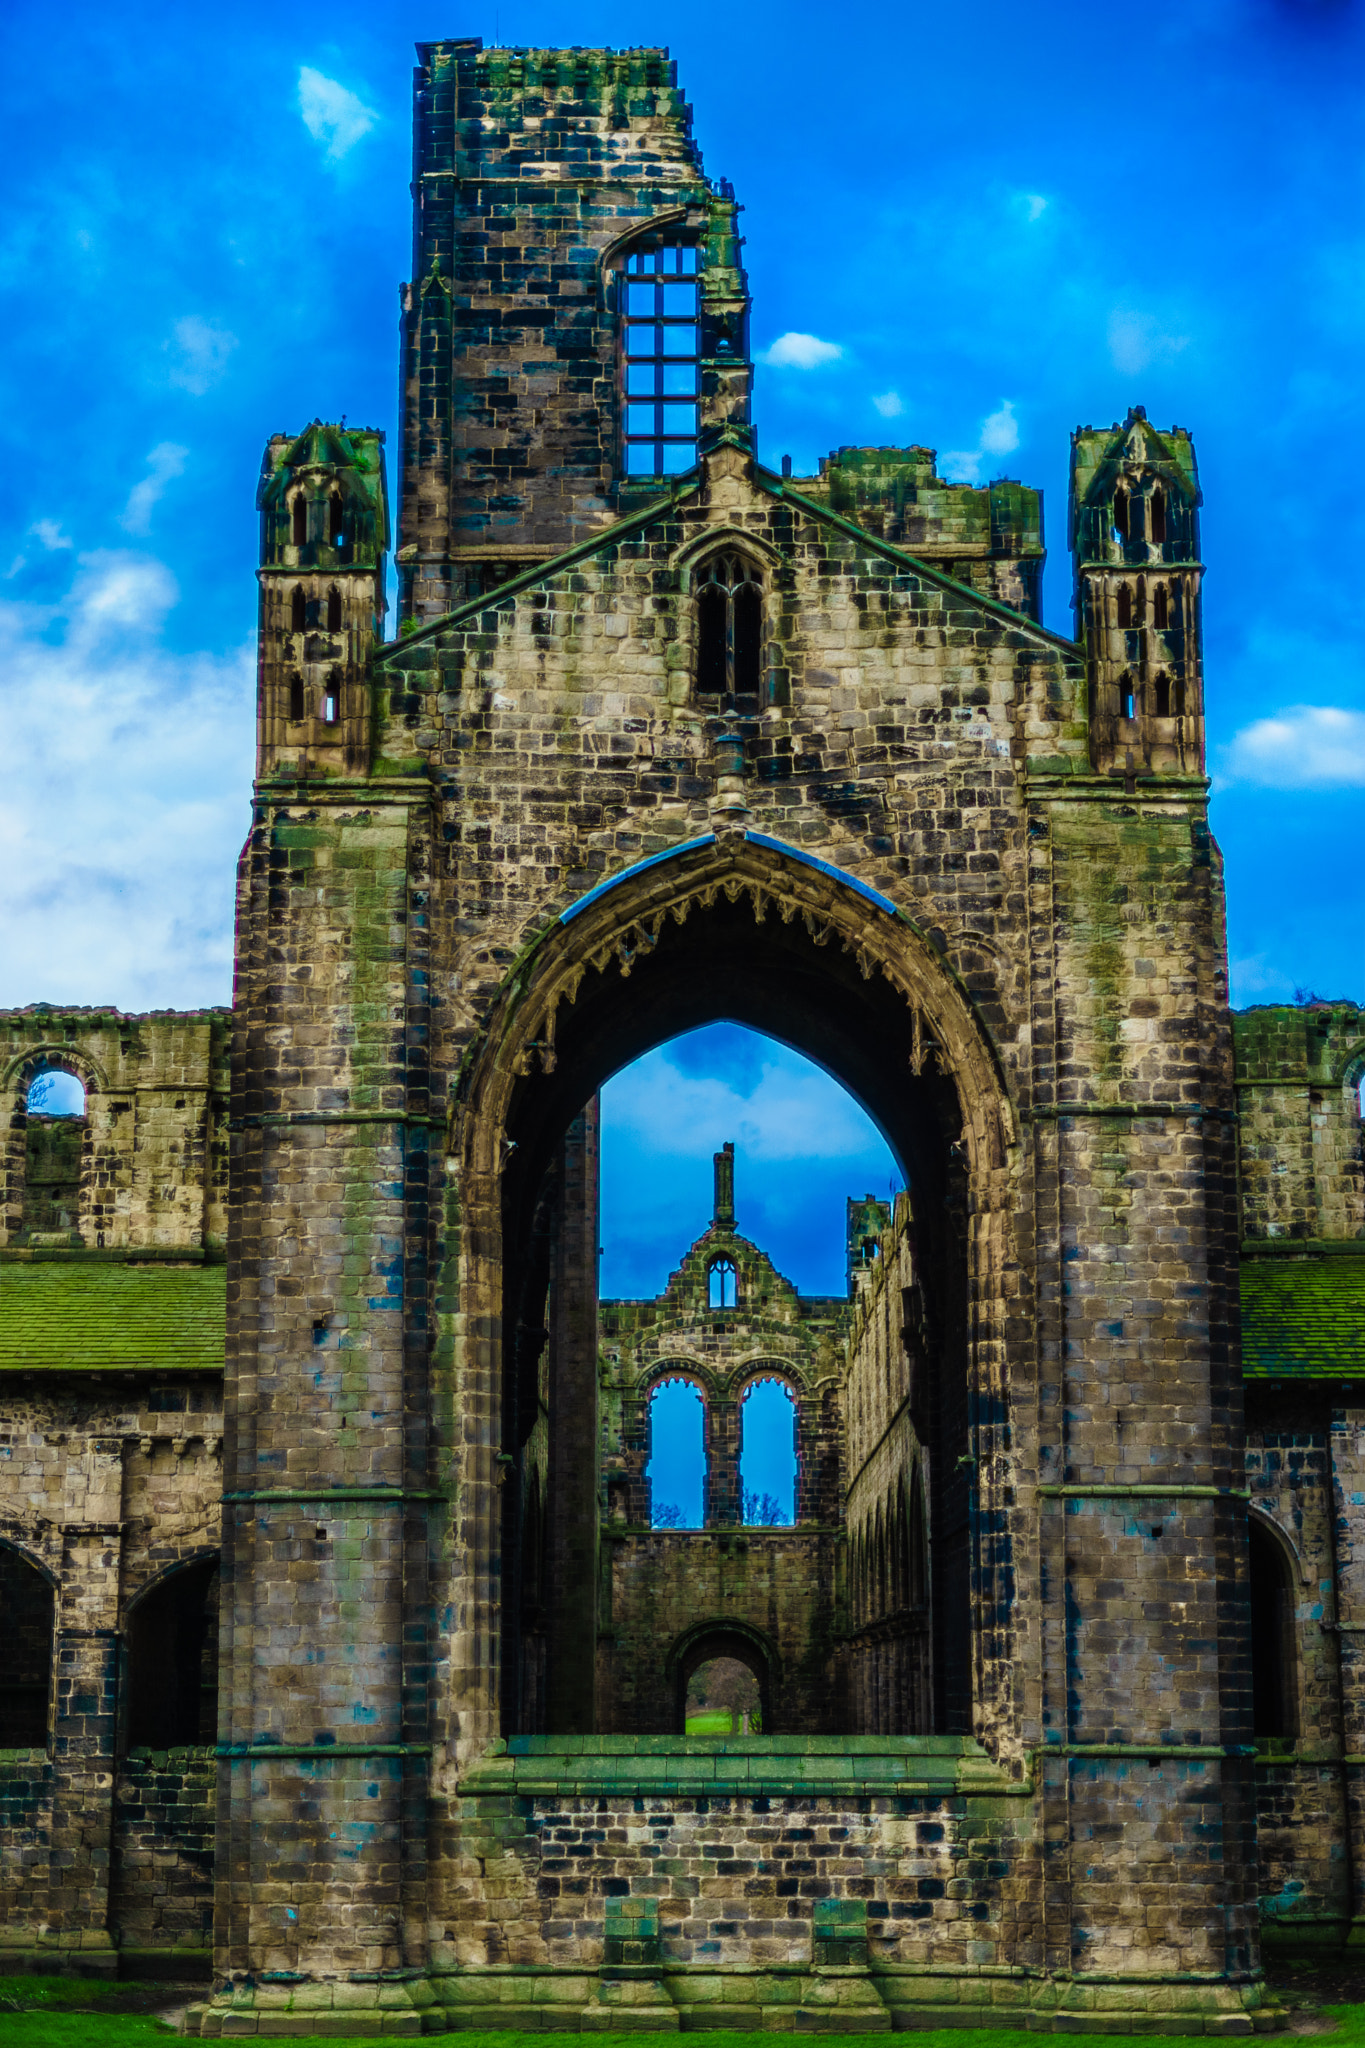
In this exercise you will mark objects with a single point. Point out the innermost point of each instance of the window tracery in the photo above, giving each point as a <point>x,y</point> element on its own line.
<point>660,362</point>
<point>729,627</point>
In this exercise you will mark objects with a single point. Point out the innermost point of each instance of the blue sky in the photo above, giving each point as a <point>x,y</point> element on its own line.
<point>994,228</point>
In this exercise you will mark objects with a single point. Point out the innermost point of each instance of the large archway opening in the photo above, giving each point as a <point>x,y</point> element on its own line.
<point>27,1610</point>
<point>816,988</point>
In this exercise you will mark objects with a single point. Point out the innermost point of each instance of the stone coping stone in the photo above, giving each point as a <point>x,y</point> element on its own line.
<point>796,1766</point>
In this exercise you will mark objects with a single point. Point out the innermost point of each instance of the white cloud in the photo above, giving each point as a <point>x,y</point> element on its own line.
<point>121,831</point>
<point>1137,340</point>
<point>889,405</point>
<point>1307,746</point>
<point>801,352</point>
<point>332,115</point>
<point>49,532</point>
<point>999,435</point>
<point>1000,431</point>
<point>166,461</point>
<point>793,1111</point>
<point>200,353</point>
<point>1031,204</point>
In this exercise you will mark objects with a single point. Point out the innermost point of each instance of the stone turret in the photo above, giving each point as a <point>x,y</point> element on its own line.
<point>324,534</point>
<point>1135,502</point>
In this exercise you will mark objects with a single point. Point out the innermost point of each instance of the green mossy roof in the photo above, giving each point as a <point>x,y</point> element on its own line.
<point>111,1318</point>
<point>1304,1318</point>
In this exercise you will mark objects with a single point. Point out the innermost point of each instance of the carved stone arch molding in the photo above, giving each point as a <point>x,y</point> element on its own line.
<point>25,1066</point>
<point>737,926</point>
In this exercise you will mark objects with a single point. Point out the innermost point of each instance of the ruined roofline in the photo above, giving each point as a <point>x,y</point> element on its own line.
<point>776,487</point>
<point>86,1011</point>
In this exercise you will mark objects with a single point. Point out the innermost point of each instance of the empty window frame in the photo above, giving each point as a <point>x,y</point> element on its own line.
<point>331,700</point>
<point>729,628</point>
<point>1125,605</point>
<point>26,1617</point>
<point>334,610</point>
<point>295,699</point>
<point>300,529</point>
<point>1121,519</point>
<point>1160,608</point>
<point>722,1284</point>
<point>1127,704</point>
<point>660,360</point>
<point>1158,514</point>
<point>1274,1658</point>
<point>298,610</point>
<point>171,1694</point>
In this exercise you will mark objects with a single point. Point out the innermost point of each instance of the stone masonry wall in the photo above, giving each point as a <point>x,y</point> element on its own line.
<point>1301,1160</point>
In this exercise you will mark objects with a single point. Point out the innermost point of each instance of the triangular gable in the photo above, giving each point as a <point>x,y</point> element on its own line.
<point>763,482</point>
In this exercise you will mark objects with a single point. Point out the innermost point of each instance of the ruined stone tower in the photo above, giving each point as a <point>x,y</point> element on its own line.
<point>666,736</point>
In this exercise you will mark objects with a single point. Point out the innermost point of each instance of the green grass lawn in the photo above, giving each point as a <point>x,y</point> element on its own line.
<point>709,1721</point>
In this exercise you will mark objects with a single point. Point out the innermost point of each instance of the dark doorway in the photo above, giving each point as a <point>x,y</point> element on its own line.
<point>1274,1688</point>
<point>173,1661</point>
<point>26,1617</point>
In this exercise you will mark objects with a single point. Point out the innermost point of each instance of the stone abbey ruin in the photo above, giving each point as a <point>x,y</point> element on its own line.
<point>341,1644</point>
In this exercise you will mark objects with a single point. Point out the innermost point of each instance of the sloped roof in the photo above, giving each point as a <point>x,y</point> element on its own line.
<point>62,1317</point>
<point>1304,1318</point>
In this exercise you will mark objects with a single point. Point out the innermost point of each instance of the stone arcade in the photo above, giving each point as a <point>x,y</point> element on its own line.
<point>668,736</point>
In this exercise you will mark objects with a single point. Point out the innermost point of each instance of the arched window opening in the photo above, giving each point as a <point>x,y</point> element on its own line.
<point>1178,698</point>
<point>918,1590</point>
<point>1274,1660</point>
<point>723,1699</point>
<point>331,700</point>
<point>1125,695</point>
<point>677,1467</point>
<point>729,628</point>
<point>298,610</point>
<point>336,523</point>
<point>296,698</point>
<point>722,1284</point>
<point>54,1153</point>
<point>1158,514</point>
<point>27,1609</point>
<point>1125,605</point>
<point>767,1455</point>
<point>334,610</point>
<point>55,1092</point>
<point>1121,515</point>
<point>1162,693</point>
<point>173,1661</point>
<point>660,359</point>
<point>300,515</point>
<point>1160,607</point>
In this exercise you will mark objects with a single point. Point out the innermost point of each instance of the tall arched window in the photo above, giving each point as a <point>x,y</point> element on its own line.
<point>26,1615</point>
<point>336,522</point>
<point>729,628</point>
<point>1161,691</point>
<point>767,1454</point>
<point>1125,605</point>
<point>1274,1659</point>
<point>298,610</point>
<point>54,1152</point>
<point>296,698</point>
<point>172,1691</point>
<point>722,1284</point>
<point>300,515</point>
<point>660,359</point>
<point>1121,515</point>
<point>1160,608</point>
<point>331,699</point>
<point>1157,514</point>
<point>1126,697</point>
<point>334,610</point>
<point>677,1456</point>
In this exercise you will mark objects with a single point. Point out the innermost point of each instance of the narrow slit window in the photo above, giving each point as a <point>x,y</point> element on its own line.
<point>1125,605</point>
<point>300,521</point>
<point>1163,695</point>
<point>336,522</point>
<point>1178,698</point>
<point>298,610</point>
<point>660,360</point>
<point>1125,696</point>
<point>334,610</point>
<point>729,628</point>
<point>1158,515</point>
<point>296,698</point>
<point>1160,607</point>
<point>331,700</point>
<point>1121,515</point>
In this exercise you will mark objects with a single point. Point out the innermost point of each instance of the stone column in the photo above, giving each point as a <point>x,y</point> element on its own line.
<point>1348,1509</point>
<point>574,1450</point>
<point>85,1710</point>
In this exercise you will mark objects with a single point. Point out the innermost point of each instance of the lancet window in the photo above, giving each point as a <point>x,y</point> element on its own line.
<point>729,628</point>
